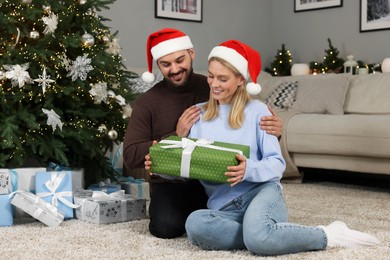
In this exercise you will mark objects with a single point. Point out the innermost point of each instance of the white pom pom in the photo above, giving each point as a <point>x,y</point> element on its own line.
<point>148,77</point>
<point>253,88</point>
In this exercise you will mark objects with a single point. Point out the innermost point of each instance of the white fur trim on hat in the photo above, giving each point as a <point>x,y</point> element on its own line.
<point>253,88</point>
<point>148,77</point>
<point>170,46</point>
<point>233,57</point>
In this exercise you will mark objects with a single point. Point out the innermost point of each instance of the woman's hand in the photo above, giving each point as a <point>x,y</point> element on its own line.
<point>236,173</point>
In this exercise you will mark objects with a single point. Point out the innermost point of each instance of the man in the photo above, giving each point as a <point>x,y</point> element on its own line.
<point>168,109</point>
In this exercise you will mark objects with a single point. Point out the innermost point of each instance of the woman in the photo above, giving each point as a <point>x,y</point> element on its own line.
<point>250,212</point>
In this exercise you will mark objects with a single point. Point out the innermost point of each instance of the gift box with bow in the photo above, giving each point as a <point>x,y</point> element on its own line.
<point>56,188</point>
<point>37,208</point>
<point>201,159</point>
<point>103,208</point>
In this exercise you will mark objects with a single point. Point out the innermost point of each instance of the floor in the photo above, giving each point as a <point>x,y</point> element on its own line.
<point>364,179</point>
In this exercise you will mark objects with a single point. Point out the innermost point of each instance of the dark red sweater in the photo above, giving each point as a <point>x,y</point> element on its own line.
<point>155,115</point>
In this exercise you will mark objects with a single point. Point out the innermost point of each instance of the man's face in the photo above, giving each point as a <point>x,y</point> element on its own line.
<point>176,67</point>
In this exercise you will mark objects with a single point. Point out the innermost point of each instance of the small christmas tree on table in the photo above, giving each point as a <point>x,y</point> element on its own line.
<point>63,86</point>
<point>332,63</point>
<point>281,66</point>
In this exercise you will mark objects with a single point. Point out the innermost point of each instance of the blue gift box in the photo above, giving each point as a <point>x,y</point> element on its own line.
<point>56,188</point>
<point>105,186</point>
<point>6,217</point>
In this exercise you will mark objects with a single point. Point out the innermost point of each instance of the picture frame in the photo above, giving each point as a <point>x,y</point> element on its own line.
<point>309,5</point>
<point>373,18</point>
<point>185,10</point>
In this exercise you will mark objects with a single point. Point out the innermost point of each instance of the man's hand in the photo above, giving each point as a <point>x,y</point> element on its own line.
<point>272,124</point>
<point>186,120</point>
<point>148,162</point>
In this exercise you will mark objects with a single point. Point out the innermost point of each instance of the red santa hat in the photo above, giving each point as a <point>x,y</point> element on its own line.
<point>161,43</point>
<point>245,59</point>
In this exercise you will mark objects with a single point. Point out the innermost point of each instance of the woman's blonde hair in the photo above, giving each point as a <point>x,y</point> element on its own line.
<point>238,102</point>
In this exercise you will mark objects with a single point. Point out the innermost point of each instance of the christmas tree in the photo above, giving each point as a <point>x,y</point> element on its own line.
<point>281,66</point>
<point>64,90</point>
<point>332,63</point>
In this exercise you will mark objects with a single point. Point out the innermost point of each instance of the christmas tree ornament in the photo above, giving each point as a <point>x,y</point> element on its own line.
<point>82,2</point>
<point>18,74</point>
<point>34,34</point>
<point>92,12</point>
<point>99,92</point>
<point>53,119</point>
<point>103,129</point>
<point>51,22</point>
<point>87,40</point>
<point>113,47</point>
<point>80,68</point>
<point>105,39</point>
<point>46,9</point>
<point>112,134</point>
<point>126,111</point>
<point>44,80</point>
<point>26,1</point>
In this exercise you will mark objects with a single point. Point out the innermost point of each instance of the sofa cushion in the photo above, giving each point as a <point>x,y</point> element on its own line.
<point>322,94</point>
<point>283,96</point>
<point>348,135</point>
<point>368,94</point>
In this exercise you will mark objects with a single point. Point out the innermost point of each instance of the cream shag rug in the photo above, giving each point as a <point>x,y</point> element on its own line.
<point>364,208</point>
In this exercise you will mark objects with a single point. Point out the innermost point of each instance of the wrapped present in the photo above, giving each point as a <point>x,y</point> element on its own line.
<point>201,159</point>
<point>103,208</point>
<point>8,181</point>
<point>56,188</point>
<point>136,187</point>
<point>6,216</point>
<point>37,208</point>
<point>24,180</point>
<point>77,175</point>
<point>105,186</point>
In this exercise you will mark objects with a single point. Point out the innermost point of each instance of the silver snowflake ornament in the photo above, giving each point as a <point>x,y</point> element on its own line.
<point>80,68</point>
<point>44,80</point>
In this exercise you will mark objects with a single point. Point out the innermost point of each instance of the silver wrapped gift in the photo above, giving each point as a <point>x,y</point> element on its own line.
<point>37,208</point>
<point>103,208</point>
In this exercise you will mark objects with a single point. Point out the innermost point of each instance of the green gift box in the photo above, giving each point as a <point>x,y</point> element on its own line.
<point>200,159</point>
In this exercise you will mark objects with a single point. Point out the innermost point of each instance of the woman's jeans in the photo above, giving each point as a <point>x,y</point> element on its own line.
<point>257,221</point>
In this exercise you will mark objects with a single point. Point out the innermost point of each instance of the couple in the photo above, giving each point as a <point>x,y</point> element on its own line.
<point>250,212</point>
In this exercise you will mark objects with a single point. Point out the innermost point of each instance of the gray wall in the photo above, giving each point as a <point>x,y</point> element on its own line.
<point>263,24</point>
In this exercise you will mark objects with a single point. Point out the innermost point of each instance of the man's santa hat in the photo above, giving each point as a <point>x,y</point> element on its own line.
<point>245,59</point>
<point>161,43</point>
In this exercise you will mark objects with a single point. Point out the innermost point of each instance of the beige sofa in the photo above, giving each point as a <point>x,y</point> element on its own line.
<point>332,121</point>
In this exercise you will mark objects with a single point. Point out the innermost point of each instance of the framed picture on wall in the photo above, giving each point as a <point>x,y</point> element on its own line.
<point>187,10</point>
<point>308,5</point>
<point>374,15</point>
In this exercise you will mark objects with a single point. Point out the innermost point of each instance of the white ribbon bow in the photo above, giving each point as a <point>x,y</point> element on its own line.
<point>52,185</point>
<point>189,145</point>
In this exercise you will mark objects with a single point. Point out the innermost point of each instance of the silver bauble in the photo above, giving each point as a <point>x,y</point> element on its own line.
<point>26,1</point>
<point>87,40</point>
<point>112,134</point>
<point>82,2</point>
<point>105,39</point>
<point>34,34</point>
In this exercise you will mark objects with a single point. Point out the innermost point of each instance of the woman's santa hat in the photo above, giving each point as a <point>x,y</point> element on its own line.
<point>245,59</point>
<point>161,43</point>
